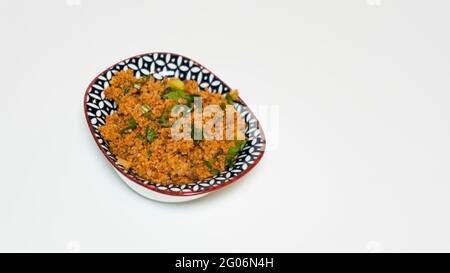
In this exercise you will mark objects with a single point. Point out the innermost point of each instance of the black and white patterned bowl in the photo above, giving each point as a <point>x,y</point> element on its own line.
<point>160,65</point>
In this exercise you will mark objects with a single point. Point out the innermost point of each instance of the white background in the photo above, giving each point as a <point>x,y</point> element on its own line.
<point>363,154</point>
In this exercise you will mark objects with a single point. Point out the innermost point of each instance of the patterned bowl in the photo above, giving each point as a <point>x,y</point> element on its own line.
<point>159,65</point>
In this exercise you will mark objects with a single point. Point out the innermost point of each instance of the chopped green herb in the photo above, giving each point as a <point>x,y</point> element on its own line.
<point>125,90</point>
<point>145,108</point>
<point>175,95</point>
<point>140,137</point>
<point>149,153</point>
<point>219,152</point>
<point>238,147</point>
<point>151,134</point>
<point>180,94</point>
<point>233,151</point>
<point>210,163</point>
<point>223,106</point>
<point>229,161</point>
<point>229,99</point>
<point>132,124</point>
<point>148,115</point>
<point>176,84</point>
<point>164,119</point>
<point>211,167</point>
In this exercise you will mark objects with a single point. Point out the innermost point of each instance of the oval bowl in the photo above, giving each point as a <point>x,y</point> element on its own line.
<point>160,65</point>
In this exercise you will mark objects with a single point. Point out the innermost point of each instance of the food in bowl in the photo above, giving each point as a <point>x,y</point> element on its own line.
<point>143,135</point>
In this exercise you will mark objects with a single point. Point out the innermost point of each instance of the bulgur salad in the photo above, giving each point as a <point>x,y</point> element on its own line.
<point>141,132</point>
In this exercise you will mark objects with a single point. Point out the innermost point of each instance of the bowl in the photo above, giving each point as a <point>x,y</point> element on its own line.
<point>160,65</point>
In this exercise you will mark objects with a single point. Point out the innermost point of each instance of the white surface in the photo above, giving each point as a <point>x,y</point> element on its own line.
<point>156,196</point>
<point>362,162</point>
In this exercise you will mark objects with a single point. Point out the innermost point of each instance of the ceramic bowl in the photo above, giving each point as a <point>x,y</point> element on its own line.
<point>160,65</point>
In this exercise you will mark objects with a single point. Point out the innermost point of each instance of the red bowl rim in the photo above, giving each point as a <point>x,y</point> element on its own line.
<point>153,187</point>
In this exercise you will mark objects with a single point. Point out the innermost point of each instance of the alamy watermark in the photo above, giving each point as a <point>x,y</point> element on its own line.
<point>222,122</point>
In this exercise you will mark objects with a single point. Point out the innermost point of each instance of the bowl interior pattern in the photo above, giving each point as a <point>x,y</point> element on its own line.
<point>161,65</point>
